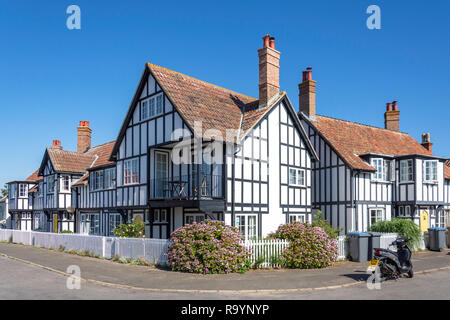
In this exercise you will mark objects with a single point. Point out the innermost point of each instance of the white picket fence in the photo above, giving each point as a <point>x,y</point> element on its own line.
<point>264,253</point>
<point>152,250</point>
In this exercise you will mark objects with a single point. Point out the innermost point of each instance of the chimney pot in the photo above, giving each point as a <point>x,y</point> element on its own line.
<point>394,106</point>
<point>388,106</point>
<point>56,145</point>
<point>266,41</point>
<point>272,42</point>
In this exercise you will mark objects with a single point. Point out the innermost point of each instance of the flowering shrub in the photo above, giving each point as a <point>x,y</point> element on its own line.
<point>135,229</point>
<point>208,247</point>
<point>310,247</point>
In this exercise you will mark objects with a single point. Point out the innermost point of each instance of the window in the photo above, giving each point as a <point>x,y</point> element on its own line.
<point>94,227</point>
<point>297,218</point>
<point>407,211</point>
<point>160,216</point>
<point>406,171</point>
<point>152,107</point>
<point>191,218</point>
<point>97,180</point>
<point>110,178</point>
<point>12,191</point>
<point>297,177</point>
<point>65,183</point>
<point>379,167</point>
<point>376,215</point>
<point>401,211</point>
<point>442,218</point>
<point>114,221</point>
<point>131,171</point>
<point>23,190</point>
<point>50,184</point>
<point>430,171</point>
<point>247,225</point>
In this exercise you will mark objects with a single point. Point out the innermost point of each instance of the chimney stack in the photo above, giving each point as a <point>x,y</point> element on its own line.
<point>84,137</point>
<point>392,117</point>
<point>269,70</point>
<point>56,145</point>
<point>426,142</point>
<point>307,94</point>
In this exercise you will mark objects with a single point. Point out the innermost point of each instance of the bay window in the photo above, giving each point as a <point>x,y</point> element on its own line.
<point>385,170</point>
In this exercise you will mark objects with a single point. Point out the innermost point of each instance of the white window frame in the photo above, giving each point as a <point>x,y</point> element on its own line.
<point>131,172</point>
<point>442,218</point>
<point>433,176</point>
<point>160,216</point>
<point>297,218</point>
<point>152,107</point>
<point>380,166</point>
<point>196,217</point>
<point>64,180</point>
<point>248,231</point>
<point>406,171</point>
<point>23,190</point>
<point>401,211</point>
<point>297,177</point>
<point>98,180</point>
<point>379,215</point>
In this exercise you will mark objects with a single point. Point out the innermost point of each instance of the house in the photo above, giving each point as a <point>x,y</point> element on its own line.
<point>367,174</point>
<point>20,204</point>
<point>189,150</point>
<point>5,219</point>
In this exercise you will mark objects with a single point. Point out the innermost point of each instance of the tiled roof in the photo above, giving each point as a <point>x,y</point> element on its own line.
<point>447,170</point>
<point>196,100</point>
<point>351,140</point>
<point>69,161</point>
<point>34,189</point>
<point>83,180</point>
<point>34,176</point>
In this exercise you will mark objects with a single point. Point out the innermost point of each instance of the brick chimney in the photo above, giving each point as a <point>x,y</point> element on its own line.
<point>84,137</point>
<point>392,117</point>
<point>56,145</point>
<point>426,142</point>
<point>307,94</point>
<point>269,70</point>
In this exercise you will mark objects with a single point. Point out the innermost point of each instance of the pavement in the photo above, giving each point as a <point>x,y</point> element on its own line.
<point>138,278</point>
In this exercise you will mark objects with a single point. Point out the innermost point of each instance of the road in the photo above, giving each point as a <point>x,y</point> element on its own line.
<point>23,281</point>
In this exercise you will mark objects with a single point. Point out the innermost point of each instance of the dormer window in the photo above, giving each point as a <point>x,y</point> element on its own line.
<point>152,107</point>
<point>430,171</point>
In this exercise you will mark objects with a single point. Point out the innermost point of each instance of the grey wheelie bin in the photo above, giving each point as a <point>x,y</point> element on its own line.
<point>437,239</point>
<point>358,246</point>
<point>374,242</point>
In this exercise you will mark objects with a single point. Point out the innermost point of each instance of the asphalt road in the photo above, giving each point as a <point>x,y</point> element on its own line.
<point>22,281</point>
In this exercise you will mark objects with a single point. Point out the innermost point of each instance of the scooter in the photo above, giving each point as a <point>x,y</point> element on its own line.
<point>393,264</point>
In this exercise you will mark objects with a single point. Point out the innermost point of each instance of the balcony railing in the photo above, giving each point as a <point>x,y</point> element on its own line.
<point>187,187</point>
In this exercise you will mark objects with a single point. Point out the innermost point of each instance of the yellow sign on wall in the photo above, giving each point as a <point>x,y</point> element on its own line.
<point>424,221</point>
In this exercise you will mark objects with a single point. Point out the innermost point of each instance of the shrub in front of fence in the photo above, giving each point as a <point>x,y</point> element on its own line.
<point>405,228</point>
<point>310,247</point>
<point>208,247</point>
<point>135,229</point>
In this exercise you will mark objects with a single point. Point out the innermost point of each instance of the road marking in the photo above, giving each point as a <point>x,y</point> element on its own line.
<point>128,287</point>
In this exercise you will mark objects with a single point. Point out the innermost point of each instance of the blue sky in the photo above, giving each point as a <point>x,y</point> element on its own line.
<point>52,77</point>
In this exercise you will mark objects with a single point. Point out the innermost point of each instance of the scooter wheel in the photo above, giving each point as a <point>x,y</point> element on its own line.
<point>410,273</point>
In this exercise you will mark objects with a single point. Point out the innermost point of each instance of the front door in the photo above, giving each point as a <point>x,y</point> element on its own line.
<point>55,223</point>
<point>161,174</point>
<point>424,220</point>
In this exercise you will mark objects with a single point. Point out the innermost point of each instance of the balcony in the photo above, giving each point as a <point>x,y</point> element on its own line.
<point>203,191</point>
